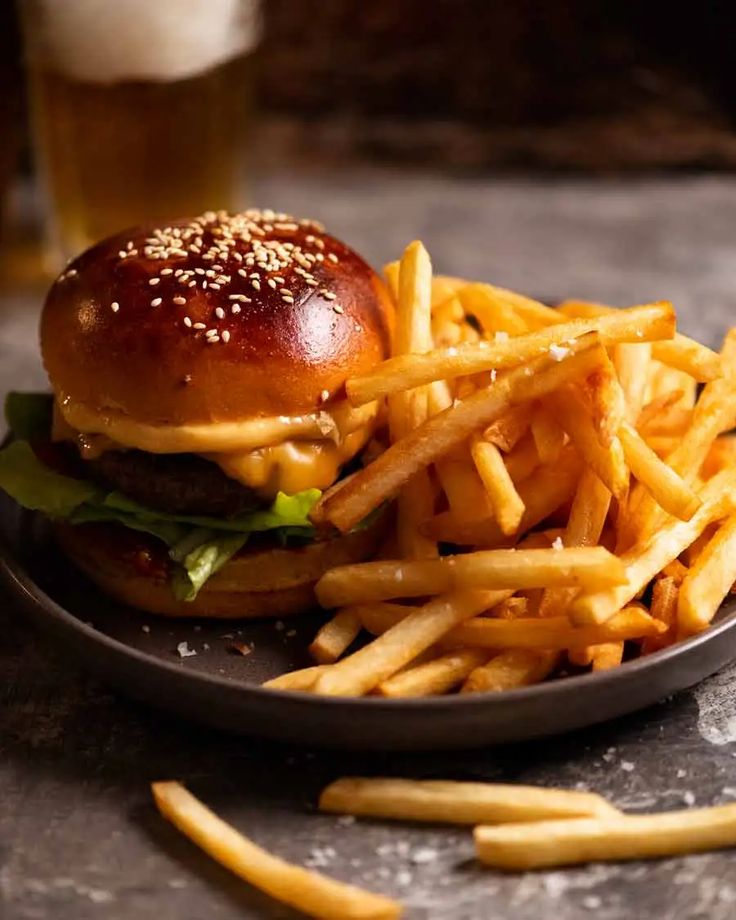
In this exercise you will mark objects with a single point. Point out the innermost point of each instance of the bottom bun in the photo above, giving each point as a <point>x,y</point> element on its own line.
<point>262,582</point>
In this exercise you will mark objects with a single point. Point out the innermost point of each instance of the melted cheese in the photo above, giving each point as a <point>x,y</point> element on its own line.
<point>287,454</point>
<point>90,446</point>
<point>218,437</point>
<point>293,465</point>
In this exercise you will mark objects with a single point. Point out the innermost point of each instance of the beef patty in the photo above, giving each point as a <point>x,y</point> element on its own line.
<point>175,483</point>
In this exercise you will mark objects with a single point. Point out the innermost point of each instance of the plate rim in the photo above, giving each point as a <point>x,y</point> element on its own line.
<point>19,580</point>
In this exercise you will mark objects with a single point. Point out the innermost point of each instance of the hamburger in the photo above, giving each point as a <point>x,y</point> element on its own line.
<point>198,411</point>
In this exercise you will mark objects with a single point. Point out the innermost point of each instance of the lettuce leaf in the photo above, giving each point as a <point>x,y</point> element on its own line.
<point>29,414</point>
<point>200,563</point>
<point>198,544</point>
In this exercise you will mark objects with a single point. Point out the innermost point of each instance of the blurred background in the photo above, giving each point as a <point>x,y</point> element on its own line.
<point>569,146</point>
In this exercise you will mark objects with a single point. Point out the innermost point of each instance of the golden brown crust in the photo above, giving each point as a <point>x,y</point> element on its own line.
<point>273,357</point>
<point>262,583</point>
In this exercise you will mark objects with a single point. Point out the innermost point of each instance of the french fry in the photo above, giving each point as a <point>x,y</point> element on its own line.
<point>663,417</point>
<point>523,459</point>
<point>512,668</point>
<point>414,505</point>
<point>542,492</point>
<point>493,314</point>
<point>544,844</point>
<point>439,397</point>
<point>507,431</point>
<point>303,679</point>
<point>606,401</point>
<point>413,313</point>
<point>632,368</point>
<point>708,581</point>
<point>664,380</point>
<point>404,372</point>
<point>714,412</point>
<point>391,274</point>
<point>607,656</point>
<point>310,892</point>
<point>506,503</point>
<point>466,494</point>
<point>584,528</point>
<point>607,462</point>
<point>663,608</point>
<point>680,352</point>
<point>721,455</point>
<point>646,559</point>
<point>494,569</point>
<point>661,481</point>
<point>549,437</point>
<point>511,609</point>
<point>370,666</point>
<point>675,570</point>
<point>551,632</point>
<point>433,677</point>
<point>334,638</point>
<point>408,410</point>
<point>440,434</point>
<point>451,802</point>
<point>687,355</point>
<point>444,286</point>
<point>536,314</point>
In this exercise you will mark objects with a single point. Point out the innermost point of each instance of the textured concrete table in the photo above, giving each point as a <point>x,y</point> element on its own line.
<point>79,838</point>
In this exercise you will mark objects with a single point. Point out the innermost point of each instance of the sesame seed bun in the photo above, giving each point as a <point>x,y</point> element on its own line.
<point>265,582</point>
<point>217,319</point>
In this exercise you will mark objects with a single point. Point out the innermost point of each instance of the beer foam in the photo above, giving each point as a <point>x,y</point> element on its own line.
<point>107,42</point>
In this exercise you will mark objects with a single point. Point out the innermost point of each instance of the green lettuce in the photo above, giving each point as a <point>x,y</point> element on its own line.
<point>198,544</point>
<point>29,414</point>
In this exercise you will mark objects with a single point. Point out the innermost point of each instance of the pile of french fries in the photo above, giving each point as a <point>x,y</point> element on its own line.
<point>516,828</point>
<point>563,492</point>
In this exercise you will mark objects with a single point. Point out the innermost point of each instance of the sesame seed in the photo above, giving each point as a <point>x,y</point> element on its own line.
<point>180,301</point>
<point>338,309</point>
<point>328,295</point>
<point>115,306</point>
<point>187,322</point>
<point>156,302</point>
<point>200,326</point>
<point>213,339</point>
<point>214,286</point>
<point>211,332</point>
<point>192,284</point>
<point>324,395</point>
<point>289,300</point>
<point>220,313</point>
<point>271,283</point>
<point>153,281</point>
<point>333,258</point>
<point>256,285</point>
<point>166,271</point>
<point>123,254</point>
<point>235,308</point>
<point>226,336</point>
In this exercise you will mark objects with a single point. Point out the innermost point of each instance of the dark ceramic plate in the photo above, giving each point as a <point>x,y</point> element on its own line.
<point>138,654</point>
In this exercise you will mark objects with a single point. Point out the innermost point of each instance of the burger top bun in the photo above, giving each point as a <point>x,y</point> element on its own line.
<point>220,318</point>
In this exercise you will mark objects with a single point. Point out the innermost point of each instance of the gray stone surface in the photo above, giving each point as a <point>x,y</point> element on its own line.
<point>79,838</point>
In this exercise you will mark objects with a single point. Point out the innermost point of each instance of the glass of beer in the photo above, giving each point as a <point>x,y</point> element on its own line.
<point>141,110</point>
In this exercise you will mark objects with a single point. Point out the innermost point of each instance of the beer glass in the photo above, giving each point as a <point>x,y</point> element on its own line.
<point>140,110</point>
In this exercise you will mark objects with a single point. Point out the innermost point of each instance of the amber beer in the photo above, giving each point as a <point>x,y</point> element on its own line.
<point>141,111</point>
